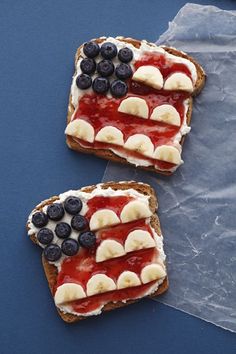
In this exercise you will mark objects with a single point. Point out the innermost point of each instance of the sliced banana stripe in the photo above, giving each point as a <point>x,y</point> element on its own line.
<point>168,153</point>
<point>103,218</point>
<point>100,283</point>
<point>138,239</point>
<point>135,210</point>
<point>68,292</point>
<point>110,135</point>
<point>178,81</point>
<point>140,143</point>
<point>152,272</point>
<point>135,106</point>
<point>81,129</point>
<point>128,279</point>
<point>166,114</point>
<point>109,249</point>
<point>149,75</point>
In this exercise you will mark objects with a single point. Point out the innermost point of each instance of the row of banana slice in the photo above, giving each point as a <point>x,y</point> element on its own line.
<point>151,76</point>
<point>101,283</point>
<point>140,143</point>
<point>137,106</point>
<point>136,240</point>
<point>133,210</point>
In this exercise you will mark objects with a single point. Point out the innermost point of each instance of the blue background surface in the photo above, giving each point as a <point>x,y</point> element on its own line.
<point>38,41</point>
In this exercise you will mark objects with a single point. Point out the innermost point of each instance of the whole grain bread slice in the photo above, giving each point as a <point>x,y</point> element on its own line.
<point>51,270</point>
<point>109,155</point>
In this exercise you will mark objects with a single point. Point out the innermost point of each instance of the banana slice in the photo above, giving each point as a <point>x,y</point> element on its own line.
<point>102,218</point>
<point>100,283</point>
<point>68,292</point>
<point>81,129</point>
<point>109,249</point>
<point>152,272</point>
<point>168,153</point>
<point>128,279</point>
<point>135,106</point>
<point>167,114</point>
<point>135,210</point>
<point>178,82</point>
<point>149,75</point>
<point>137,240</point>
<point>140,143</point>
<point>110,135</point>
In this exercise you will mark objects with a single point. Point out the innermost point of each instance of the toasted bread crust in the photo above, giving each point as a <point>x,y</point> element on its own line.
<point>109,155</point>
<point>51,270</point>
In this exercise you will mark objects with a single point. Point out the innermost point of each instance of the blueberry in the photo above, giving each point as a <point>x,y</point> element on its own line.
<point>45,236</point>
<point>123,71</point>
<point>39,219</point>
<point>55,211</point>
<point>52,252</point>
<point>91,49</point>
<point>88,66</point>
<point>108,50</point>
<point>125,55</point>
<point>119,88</point>
<point>63,230</point>
<point>83,81</point>
<point>101,85</point>
<point>70,247</point>
<point>79,223</point>
<point>73,205</point>
<point>105,68</point>
<point>87,239</point>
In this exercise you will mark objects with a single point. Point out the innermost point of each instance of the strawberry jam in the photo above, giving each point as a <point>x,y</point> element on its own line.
<point>165,65</point>
<point>113,203</point>
<point>120,232</point>
<point>80,268</point>
<point>95,302</point>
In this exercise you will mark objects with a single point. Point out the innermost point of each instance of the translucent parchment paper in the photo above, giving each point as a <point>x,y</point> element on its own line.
<point>198,203</point>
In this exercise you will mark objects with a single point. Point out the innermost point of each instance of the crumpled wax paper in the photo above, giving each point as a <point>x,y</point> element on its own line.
<point>197,205</point>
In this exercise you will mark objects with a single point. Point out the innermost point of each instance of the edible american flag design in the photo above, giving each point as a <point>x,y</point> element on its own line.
<point>133,101</point>
<point>104,244</point>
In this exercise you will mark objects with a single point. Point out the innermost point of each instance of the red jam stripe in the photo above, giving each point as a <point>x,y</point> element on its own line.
<point>113,203</point>
<point>95,302</point>
<point>165,65</point>
<point>120,232</point>
<point>80,268</point>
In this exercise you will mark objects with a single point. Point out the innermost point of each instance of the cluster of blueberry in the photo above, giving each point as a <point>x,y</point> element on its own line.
<point>105,68</point>
<point>69,246</point>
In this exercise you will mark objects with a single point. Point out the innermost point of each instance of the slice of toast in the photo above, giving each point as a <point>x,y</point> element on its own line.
<point>115,154</point>
<point>51,269</point>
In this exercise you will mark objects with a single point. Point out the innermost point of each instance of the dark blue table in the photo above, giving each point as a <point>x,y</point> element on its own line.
<point>38,40</point>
